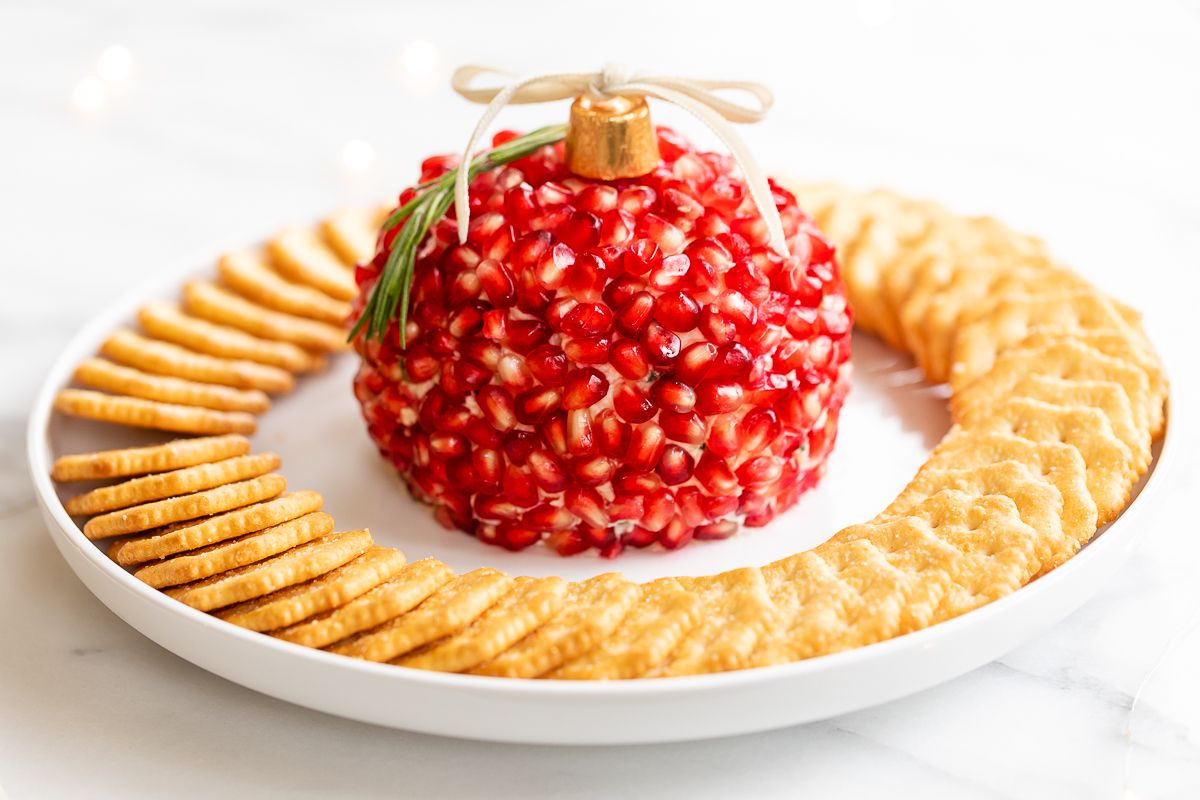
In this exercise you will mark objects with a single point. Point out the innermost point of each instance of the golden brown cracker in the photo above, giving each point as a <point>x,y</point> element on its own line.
<point>190,506</point>
<point>333,589</point>
<point>351,233</point>
<point>154,458</point>
<point>644,640</point>
<point>167,321</point>
<point>97,373</point>
<point>529,604</point>
<point>135,412</point>
<point>1110,472</point>
<point>300,255</point>
<point>592,610</point>
<point>216,304</point>
<point>219,528</point>
<point>224,556</point>
<point>1008,319</point>
<point>171,484</point>
<point>388,600</point>
<point>450,609</point>
<point>164,358</point>
<point>737,612</point>
<point>303,563</point>
<point>248,273</point>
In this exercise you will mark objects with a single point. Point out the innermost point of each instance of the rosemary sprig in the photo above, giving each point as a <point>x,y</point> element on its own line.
<point>433,200</point>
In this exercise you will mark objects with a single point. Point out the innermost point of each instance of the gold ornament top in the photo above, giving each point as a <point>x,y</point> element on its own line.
<point>611,138</point>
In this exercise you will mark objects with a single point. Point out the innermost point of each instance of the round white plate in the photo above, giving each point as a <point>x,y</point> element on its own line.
<point>889,423</point>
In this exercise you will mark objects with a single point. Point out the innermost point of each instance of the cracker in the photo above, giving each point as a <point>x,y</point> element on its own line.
<point>301,601</point>
<point>176,509</point>
<point>1066,359</point>
<point>155,458</point>
<point>737,612</point>
<point>1038,501</point>
<point>644,640</point>
<point>1060,464</point>
<point>199,533</point>
<point>453,607</point>
<point>300,255</point>
<point>388,600</point>
<point>100,374</point>
<point>1110,472</point>
<point>1107,396</point>
<point>351,233</point>
<point>212,302</point>
<point>138,413</point>
<point>526,607</point>
<point>1009,319</point>
<point>247,273</point>
<point>870,582</point>
<point>303,563</point>
<point>168,322</point>
<point>234,553</point>
<point>592,610</point>
<point>171,484</point>
<point>164,358</point>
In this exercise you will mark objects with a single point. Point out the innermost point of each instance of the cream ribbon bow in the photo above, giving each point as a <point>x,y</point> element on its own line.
<point>695,96</point>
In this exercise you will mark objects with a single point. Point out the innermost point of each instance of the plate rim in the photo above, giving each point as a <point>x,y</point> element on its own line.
<point>83,343</point>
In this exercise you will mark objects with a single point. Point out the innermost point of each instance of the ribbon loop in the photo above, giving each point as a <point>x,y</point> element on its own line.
<point>698,97</point>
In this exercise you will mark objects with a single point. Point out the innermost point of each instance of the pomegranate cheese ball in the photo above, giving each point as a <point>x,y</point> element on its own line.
<point>606,364</point>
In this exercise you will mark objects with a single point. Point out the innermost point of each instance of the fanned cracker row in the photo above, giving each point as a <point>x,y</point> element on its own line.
<point>1057,395</point>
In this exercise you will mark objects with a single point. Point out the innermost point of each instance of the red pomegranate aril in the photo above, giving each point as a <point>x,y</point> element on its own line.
<point>597,198</point>
<point>489,468</point>
<point>616,227</point>
<point>547,471</point>
<point>716,327</point>
<point>519,487</point>
<point>496,508</point>
<point>719,506</point>
<point>714,474</point>
<point>716,530</point>
<point>526,334</point>
<point>593,471</point>
<point>583,388</point>
<point>514,373</point>
<point>467,286</point>
<point>676,465</point>
<point>612,434</point>
<point>646,445</point>
<point>640,537</point>
<point>567,542</point>
<point>580,437</point>
<point>498,407</point>
<point>554,432</point>
<point>587,504</point>
<point>632,404</point>
<point>677,311</point>
<point>587,351</point>
<point>680,204</point>
<point>659,508</point>
<point>557,310</point>
<point>718,397</point>
<point>547,363</point>
<point>667,236</point>
<point>725,435</point>
<point>671,272</point>
<point>483,352</point>
<point>688,427</point>
<point>536,405</point>
<point>595,535</point>
<point>512,536</point>
<point>621,290</point>
<point>498,283</point>
<point>586,278</point>
<point>612,549</point>
<point>637,200</point>
<point>690,510</point>
<point>746,279</point>
<point>495,324</point>
<point>587,319</point>
<point>641,257</point>
<point>660,345</point>
<point>629,359</point>
<point>631,481</point>
<point>552,266</point>
<point>546,517</point>
<point>760,427</point>
<point>581,231</point>
<point>760,471</point>
<point>471,374</point>
<point>420,364</point>
<point>737,308</point>
<point>695,361</point>
<point>634,315</point>
<point>626,507</point>
<point>675,534</point>
<point>447,444</point>
<point>672,395</point>
<point>733,362</point>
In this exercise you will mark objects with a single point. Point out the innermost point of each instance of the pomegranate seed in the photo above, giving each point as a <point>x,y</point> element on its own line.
<point>646,445</point>
<point>586,277</point>
<point>716,530</point>
<point>670,272</point>
<point>526,334</point>
<point>688,427</point>
<point>675,534</point>
<point>547,471</point>
<point>546,517</point>
<point>548,364</point>
<point>552,266</point>
<point>629,359</point>
<point>612,549</point>
<point>760,428</point>
<point>612,435</point>
<point>554,432</point>
<point>672,395</point>
<point>676,465</point>
<point>714,474</point>
<point>580,439</point>
<point>634,315</point>
<point>616,227</point>
<point>420,364</point>
<point>581,231</point>
<point>632,404</point>
<point>659,508</point>
<point>495,324</point>
<point>631,481</point>
<point>718,397</point>
<point>496,508</point>
<point>640,537</point>
<point>641,257</point>
<point>725,435</point>
<point>716,327</point>
<point>497,282</point>
<point>488,466</point>
<point>593,471</point>
<point>626,507</point>
<point>519,487</point>
<point>668,237</point>
<point>677,311</point>
<point>536,405</point>
<point>498,407</point>
<point>760,471</point>
<point>567,543</point>
<point>587,504</point>
<point>587,319</point>
<point>637,200</point>
<point>621,290</point>
<point>660,345</point>
<point>587,351</point>
<point>583,388</point>
<point>512,536</point>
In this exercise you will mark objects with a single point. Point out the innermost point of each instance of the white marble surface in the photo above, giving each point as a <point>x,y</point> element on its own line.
<point>1079,126</point>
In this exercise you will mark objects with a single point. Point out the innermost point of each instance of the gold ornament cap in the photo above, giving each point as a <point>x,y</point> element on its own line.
<point>611,138</point>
